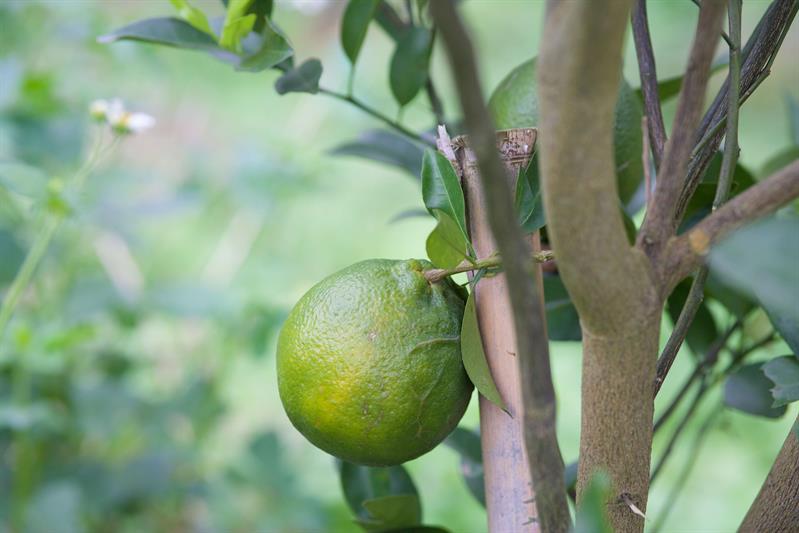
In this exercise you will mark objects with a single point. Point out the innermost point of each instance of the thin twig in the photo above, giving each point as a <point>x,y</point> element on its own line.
<point>379,116</point>
<point>649,81</point>
<point>658,225</point>
<point>434,275</point>
<point>676,489</point>
<point>646,162</point>
<point>538,393</point>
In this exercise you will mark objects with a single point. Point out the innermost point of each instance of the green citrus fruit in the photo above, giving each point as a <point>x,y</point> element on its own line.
<point>369,363</point>
<point>514,104</point>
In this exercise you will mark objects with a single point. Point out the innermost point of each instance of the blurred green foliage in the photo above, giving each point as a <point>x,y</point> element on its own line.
<point>140,396</point>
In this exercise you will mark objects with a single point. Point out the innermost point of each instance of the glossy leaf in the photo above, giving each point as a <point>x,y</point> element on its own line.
<point>409,64</point>
<point>592,514</point>
<point>749,390</point>
<point>385,147</point>
<point>302,79</point>
<point>563,324</point>
<point>441,188</point>
<point>702,333</point>
<point>361,483</point>
<point>192,15</point>
<point>445,246</point>
<point>354,25</point>
<point>761,260</point>
<point>168,31</point>
<point>467,444</point>
<point>392,512</point>
<point>273,48</point>
<point>474,357</point>
<point>528,200</point>
<point>784,372</point>
<point>23,179</point>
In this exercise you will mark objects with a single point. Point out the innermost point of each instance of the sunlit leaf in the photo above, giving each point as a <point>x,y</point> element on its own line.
<point>445,246</point>
<point>749,390</point>
<point>528,201</point>
<point>168,31</point>
<point>474,357</point>
<point>784,372</point>
<point>238,23</point>
<point>192,15</point>
<point>385,147</point>
<point>354,25</point>
<point>302,79</point>
<point>273,49</point>
<point>409,64</point>
<point>467,444</point>
<point>762,260</point>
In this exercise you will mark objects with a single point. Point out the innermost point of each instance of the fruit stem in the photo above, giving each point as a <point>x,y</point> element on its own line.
<point>434,275</point>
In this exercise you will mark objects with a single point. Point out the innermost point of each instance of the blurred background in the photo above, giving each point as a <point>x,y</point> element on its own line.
<point>143,356</point>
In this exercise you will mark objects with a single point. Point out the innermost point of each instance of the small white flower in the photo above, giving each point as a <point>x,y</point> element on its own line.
<point>123,121</point>
<point>98,110</point>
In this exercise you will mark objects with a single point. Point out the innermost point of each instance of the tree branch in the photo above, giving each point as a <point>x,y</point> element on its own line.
<point>649,81</point>
<point>659,223</point>
<point>776,507</point>
<point>757,55</point>
<point>686,252</point>
<point>546,463</point>
<point>697,292</point>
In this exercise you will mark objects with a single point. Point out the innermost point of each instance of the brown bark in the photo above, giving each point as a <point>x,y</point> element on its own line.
<point>610,282</point>
<point>776,507</point>
<point>508,486</point>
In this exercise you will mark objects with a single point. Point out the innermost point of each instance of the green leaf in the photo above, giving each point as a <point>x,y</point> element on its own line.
<point>23,179</point>
<point>302,79</point>
<point>357,17</point>
<point>761,260</point>
<point>360,483</point>
<point>192,15</point>
<point>274,48</point>
<point>670,87</point>
<point>385,147</point>
<point>409,213</point>
<point>784,372</point>
<point>563,324</point>
<point>474,357</point>
<point>441,189</point>
<point>701,202</point>
<point>409,64</point>
<point>393,512</point>
<point>528,201</point>
<point>445,245</point>
<point>467,444</point>
<point>702,333</point>
<point>749,390</point>
<point>787,328</point>
<point>167,31</point>
<point>592,514</point>
<point>262,9</point>
<point>736,303</point>
<point>238,23</point>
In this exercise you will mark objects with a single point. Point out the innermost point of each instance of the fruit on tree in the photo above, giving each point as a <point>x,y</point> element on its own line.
<point>514,104</point>
<point>369,362</point>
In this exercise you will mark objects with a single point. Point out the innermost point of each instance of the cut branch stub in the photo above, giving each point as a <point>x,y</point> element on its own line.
<point>508,488</point>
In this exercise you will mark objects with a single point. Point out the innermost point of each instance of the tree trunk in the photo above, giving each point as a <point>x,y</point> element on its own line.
<point>508,488</point>
<point>776,508</point>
